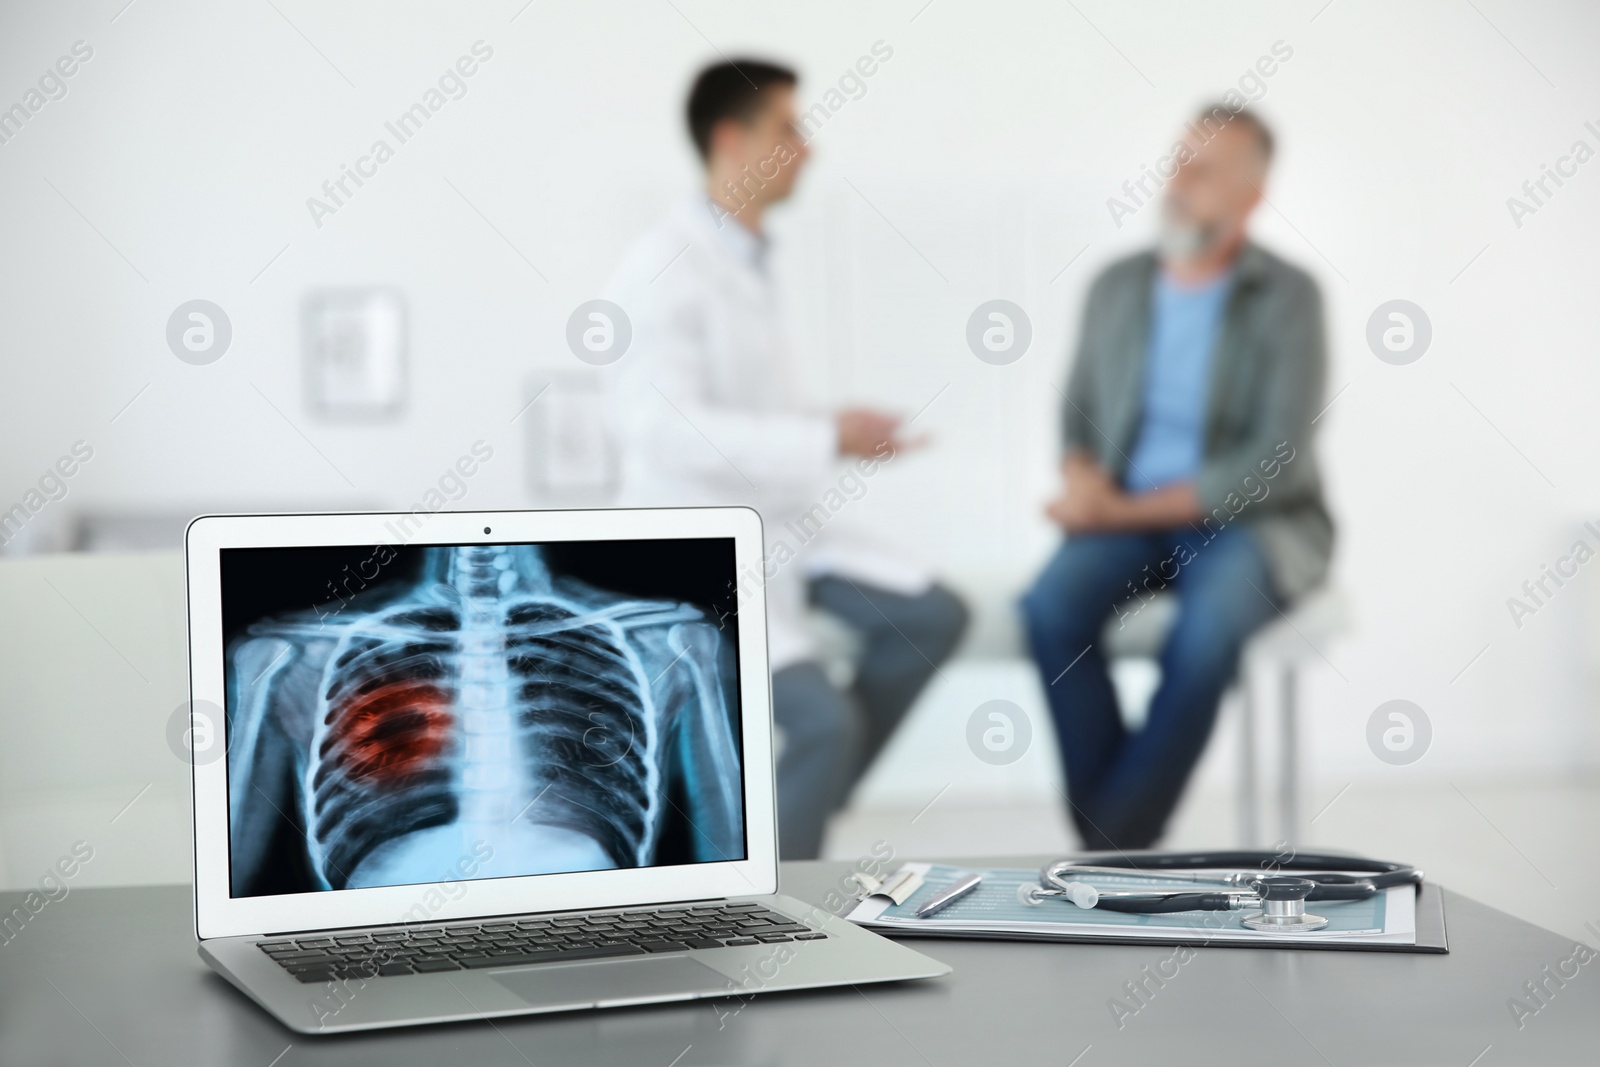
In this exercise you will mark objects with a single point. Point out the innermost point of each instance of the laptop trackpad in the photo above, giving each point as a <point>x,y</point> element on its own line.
<point>611,981</point>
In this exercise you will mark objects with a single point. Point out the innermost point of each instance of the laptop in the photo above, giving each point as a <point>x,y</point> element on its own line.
<point>459,765</point>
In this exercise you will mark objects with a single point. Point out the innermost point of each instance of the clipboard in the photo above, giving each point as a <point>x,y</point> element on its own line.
<point>988,914</point>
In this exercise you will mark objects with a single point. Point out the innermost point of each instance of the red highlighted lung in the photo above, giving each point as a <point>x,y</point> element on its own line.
<point>392,732</point>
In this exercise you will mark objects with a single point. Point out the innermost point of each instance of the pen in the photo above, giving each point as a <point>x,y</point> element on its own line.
<point>940,901</point>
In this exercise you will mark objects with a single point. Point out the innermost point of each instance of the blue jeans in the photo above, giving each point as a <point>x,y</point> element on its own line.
<point>1123,786</point>
<point>830,737</point>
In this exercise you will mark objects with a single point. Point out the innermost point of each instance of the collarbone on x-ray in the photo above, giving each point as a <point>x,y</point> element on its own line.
<point>487,710</point>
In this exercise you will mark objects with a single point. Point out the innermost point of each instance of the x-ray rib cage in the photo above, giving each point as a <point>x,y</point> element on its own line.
<point>565,727</point>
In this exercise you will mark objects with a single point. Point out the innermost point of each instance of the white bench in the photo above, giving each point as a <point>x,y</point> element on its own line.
<point>1272,659</point>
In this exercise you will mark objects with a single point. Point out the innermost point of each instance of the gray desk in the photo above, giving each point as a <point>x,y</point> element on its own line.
<point>110,976</point>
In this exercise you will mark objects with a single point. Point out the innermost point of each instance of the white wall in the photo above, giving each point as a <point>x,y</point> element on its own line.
<point>983,151</point>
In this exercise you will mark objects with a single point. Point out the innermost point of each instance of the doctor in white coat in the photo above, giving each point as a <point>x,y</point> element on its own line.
<point>705,405</point>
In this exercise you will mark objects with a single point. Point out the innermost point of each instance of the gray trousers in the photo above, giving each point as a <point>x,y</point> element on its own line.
<point>830,737</point>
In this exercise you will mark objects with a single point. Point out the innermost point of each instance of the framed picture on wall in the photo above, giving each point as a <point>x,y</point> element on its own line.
<point>571,458</point>
<point>355,352</point>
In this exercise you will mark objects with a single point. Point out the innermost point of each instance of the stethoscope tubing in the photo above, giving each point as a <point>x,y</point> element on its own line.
<point>1350,877</point>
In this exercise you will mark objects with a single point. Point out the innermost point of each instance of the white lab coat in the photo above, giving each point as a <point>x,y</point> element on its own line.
<point>706,407</point>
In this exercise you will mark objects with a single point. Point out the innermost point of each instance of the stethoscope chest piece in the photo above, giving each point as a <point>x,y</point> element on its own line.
<point>1283,905</point>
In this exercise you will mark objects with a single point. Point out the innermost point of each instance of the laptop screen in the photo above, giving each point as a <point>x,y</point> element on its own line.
<point>405,715</point>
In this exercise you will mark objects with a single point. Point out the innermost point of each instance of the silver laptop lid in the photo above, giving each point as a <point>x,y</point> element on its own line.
<point>510,712</point>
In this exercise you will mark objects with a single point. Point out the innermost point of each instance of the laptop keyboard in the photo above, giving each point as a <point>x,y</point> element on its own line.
<point>513,942</point>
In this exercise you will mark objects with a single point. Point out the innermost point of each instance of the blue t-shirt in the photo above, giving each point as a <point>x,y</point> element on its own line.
<point>1184,323</point>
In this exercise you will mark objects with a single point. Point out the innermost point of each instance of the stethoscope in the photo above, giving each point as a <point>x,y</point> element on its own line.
<point>1281,898</point>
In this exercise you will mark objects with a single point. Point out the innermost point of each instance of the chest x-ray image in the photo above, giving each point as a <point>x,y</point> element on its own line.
<point>533,709</point>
